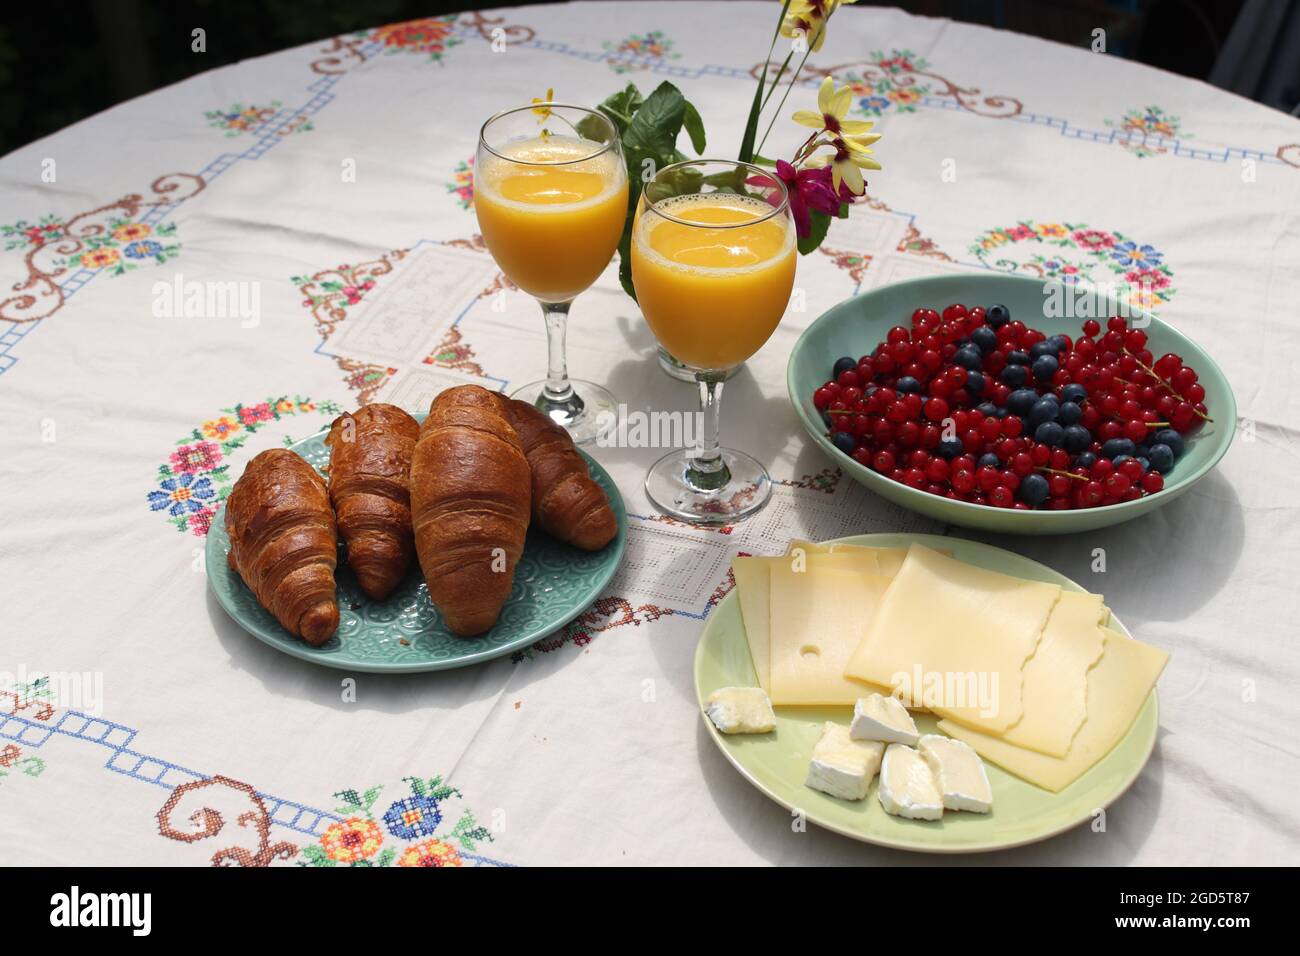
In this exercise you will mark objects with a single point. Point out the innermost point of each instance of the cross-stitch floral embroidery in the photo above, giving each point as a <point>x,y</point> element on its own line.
<point>196,478</point>
<point>415,824</point>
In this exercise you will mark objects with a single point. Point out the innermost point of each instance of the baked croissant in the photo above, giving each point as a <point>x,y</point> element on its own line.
<point>369,486</point>
<point>283,542</point>
<point>567,504</point>
<point>470,499</point>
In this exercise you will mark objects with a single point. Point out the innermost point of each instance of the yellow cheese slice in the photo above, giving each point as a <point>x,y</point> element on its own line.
<point>953,638</point>
<point>753,587</point>
<point>1054,694</point>
<point>818,618</point>
<point>1118,686</point>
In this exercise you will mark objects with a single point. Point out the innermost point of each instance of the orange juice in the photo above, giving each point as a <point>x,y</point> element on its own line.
<point>551,226</point>
<point>711,294</point>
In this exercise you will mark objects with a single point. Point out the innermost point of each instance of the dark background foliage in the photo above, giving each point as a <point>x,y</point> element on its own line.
<point>63,61</point>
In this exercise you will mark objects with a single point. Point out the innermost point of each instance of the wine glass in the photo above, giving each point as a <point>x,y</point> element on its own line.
<point>713,262</point>
<point>550,193</point>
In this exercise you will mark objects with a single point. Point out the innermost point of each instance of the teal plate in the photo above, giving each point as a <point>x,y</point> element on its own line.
<point>855,326</point>
<point>554,583</point>
<point>777,763</point>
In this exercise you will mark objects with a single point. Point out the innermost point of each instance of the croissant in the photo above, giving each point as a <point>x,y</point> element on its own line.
<point>283,542</point>
<point>470,499</point>
<point>369,485</point>
<point>567,504</point>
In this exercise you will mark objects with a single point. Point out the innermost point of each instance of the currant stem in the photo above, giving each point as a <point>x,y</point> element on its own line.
<point>1159,378</point>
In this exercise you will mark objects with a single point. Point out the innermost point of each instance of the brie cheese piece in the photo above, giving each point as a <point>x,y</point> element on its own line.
<point>882,718</point>
<point>907,785</point>
<point>842,766</point>
<point>959,772</point>
<point>741,710</point>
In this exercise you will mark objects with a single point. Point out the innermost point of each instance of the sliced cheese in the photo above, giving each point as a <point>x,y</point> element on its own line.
<point>1054,694</point>
<point>754,585</point>
<point>908,787</point>
<point>842,766</point>
<point>1118,686</point>
<point>740,710</point>
<point>953,638</point>
<point>959,772</point>
<point>889,559</point>
<point>818,617</point>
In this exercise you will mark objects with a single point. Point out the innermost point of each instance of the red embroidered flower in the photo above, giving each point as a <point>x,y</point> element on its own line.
<point>1017,233</point>
<point>1147,278</point>
<point>252,414</point>
<point>426,35</point>
<point>201,456</point>
<point>1092,239</point>
<point>201,522</point>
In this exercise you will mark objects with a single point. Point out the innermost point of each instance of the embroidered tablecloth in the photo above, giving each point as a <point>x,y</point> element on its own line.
<point>332,184</point>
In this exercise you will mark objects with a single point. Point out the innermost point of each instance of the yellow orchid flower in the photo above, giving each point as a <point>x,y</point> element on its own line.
<point>847,163</point>
<point>807,19</point>
<point>833,110</point>
<point>544,109</point>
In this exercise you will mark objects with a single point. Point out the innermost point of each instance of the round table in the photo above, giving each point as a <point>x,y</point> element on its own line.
<point>223,265</point>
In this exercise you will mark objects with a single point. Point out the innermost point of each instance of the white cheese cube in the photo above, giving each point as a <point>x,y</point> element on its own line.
<point>842,766</point>
<point>741,710</point>
<point>883,718</point>
<point>959,772</point>
<point>907,785</point>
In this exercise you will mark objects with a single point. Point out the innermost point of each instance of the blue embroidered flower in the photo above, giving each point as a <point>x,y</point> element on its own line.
<point>413,818</point>
<point>181,494</point>
<point>143,249</point>
<point>873,104</point>
<point>1131,255</point>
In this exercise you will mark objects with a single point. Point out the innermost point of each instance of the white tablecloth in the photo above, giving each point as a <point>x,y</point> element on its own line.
<point>331,180</point>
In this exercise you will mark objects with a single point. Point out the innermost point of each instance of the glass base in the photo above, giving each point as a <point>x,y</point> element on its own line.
<point>675,369</point>
<point>590,414</point>
<point>743,489</point>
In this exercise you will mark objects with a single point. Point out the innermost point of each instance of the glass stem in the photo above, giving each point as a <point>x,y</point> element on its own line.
<point>707,471</point>
<point>558,394</point>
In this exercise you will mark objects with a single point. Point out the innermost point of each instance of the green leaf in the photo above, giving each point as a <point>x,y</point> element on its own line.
<point>654,127</point>
<point>821,224</point>
<point>695,128</point>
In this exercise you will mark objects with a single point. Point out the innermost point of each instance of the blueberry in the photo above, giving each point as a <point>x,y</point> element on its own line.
<point>1049,433</point>
<point>1001,413</point>
<point>1116,447</point>
<point>989,460</point>
<point>1142,451</point>
<point>1022,400</point>
<point>1043,411</point>
<point>1051,397</point>
<point>1058,343</point>
<point>1033,489</point>
<point>1162,457</point>
<point>827,420</point>
<point>844,442</point>
<point>1144,462</point>
<point>975,383</point>
<point>969,357</point>
<point>1015,375</point>
<point>1045,367</point>
<point>986,409</point>
<point>997,315</point>
<point>1086,459</point>
<point>1074,392</point>
<point>1120,459</point>
<point>985,339</point>
<point>845,364</point>
<point>1167,436</point>
<point>1077,439</point>
<point>1018,357</point>
<point>950,448</point>
<point>1070,414</point>
<point>1039,349</point>
<point>907,384</point>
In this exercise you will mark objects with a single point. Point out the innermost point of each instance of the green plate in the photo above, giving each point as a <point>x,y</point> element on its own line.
<point>554,583</point>
<point>777,763</point>
<point>855,326</point>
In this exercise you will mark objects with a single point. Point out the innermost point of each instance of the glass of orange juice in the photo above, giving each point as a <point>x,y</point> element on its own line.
<point>550,192</point>
<point>713,260</point>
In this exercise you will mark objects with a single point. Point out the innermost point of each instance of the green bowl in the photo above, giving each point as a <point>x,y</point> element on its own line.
<point>855,326</point>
